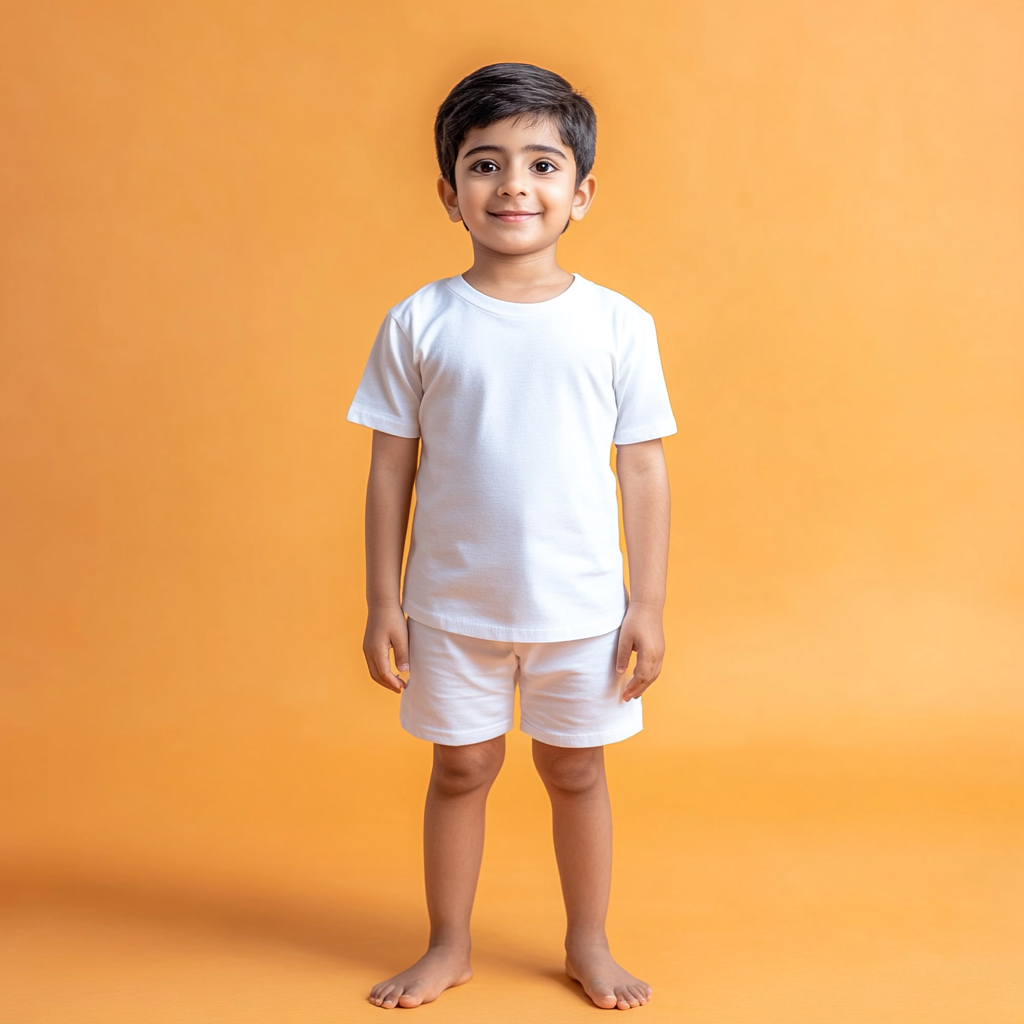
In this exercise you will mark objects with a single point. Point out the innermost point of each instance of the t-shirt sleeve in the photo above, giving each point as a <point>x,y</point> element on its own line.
<point>389,394</point>
<point>644,410</point>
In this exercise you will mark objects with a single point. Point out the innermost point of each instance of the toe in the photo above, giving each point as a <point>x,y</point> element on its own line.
<point>606,1000</point>
<point>378,992</point>
<point>413,995</point>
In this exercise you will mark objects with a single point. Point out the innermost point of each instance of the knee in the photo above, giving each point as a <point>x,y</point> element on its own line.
<point>461,770</point>
<point>569,769</point>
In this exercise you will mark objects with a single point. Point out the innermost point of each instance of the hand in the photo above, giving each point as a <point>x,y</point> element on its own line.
<point>386,630</point>
<point>641,631</point>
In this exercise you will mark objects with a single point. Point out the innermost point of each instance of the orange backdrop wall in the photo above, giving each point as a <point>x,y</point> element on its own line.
<point>206,210</point>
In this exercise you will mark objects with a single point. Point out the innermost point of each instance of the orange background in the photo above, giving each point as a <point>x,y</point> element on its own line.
<point>210,812</point>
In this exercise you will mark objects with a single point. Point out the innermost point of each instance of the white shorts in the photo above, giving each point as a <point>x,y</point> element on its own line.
<point>461,689</point>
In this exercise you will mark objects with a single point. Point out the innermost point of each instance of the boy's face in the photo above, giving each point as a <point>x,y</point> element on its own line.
<point>515,186</point>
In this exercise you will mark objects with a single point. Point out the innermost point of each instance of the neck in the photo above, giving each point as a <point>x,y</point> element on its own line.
<point>519,277</point>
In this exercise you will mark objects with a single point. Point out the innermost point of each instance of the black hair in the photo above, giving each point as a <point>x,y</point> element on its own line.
<point>498,91</point>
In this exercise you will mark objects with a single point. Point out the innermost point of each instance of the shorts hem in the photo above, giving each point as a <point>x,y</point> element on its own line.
<point>583,739</point>
<point>453,739</point>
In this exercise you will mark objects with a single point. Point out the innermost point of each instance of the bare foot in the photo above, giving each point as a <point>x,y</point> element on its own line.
<point>439,968</point>
<point>608,985</point>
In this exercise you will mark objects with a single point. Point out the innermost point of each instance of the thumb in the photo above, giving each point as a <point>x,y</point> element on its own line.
<point>624,650</point>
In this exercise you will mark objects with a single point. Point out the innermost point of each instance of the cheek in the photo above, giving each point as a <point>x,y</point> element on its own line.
<point>558,198</point>
<point>473,195</point>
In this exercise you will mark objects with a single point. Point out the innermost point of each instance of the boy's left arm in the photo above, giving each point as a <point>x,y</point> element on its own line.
<point>643,480</point>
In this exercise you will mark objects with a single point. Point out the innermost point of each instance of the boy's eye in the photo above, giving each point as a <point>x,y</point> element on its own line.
<point>487,166</point>
<point>544,166</point>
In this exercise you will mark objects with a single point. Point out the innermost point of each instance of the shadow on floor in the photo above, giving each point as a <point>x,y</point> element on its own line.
<point>346,927</point>
<point>360,928</point>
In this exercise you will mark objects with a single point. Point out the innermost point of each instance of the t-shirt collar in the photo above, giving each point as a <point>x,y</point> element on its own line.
<point>459,285</point>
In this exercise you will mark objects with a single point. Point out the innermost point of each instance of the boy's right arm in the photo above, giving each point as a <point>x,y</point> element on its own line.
<point>388,498</point>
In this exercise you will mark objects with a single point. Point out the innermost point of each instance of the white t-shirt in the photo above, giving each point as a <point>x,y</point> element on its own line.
<point>516,531</point>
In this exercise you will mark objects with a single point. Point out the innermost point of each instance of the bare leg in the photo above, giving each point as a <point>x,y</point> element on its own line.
<point>453,845</point>
<point>582,823</point>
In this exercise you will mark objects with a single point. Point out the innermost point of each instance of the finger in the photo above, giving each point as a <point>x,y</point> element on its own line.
<point>623,651</point>
<point>397,681</point>
<point>646,672</point>
<point>384,676</point>
<point>370,665</point>
<point>647,666</point>
<point>400,645</point>
<point>634,687</point>
<point>640,679</point>
<point>637,688</point>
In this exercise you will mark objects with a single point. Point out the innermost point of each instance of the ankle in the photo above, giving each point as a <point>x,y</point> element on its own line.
<point>456,945</point>
<point>586,940</point>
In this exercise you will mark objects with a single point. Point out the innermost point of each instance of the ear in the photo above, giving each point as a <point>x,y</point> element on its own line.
<point>584,196</point>
<point>449,199</point>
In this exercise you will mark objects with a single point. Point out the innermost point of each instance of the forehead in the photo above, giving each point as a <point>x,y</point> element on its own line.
<point>516,134</point>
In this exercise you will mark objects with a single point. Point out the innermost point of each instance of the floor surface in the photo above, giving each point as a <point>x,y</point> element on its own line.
<point>751,887</point>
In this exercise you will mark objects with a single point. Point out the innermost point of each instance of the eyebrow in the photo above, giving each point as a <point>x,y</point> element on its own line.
<point>533,148</point>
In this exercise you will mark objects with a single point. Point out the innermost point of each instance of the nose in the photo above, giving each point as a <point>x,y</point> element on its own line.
<point>514,183</point>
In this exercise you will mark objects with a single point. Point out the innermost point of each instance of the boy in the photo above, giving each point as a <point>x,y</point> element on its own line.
<point>517,377</point>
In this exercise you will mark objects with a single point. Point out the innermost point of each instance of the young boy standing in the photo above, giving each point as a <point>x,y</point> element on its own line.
<point>516,377</point>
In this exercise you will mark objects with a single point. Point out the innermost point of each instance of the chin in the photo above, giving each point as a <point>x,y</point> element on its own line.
<point>510,246</point>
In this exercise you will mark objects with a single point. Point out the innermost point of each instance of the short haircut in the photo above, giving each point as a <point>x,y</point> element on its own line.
<point>499,91</point>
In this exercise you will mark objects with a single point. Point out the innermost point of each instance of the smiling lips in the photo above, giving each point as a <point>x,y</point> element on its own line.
<point>513,216</point>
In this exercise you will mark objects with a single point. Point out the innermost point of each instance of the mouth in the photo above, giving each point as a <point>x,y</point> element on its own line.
<point>512,216</point>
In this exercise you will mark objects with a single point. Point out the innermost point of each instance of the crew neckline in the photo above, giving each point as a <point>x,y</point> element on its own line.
<point>463,288</point>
